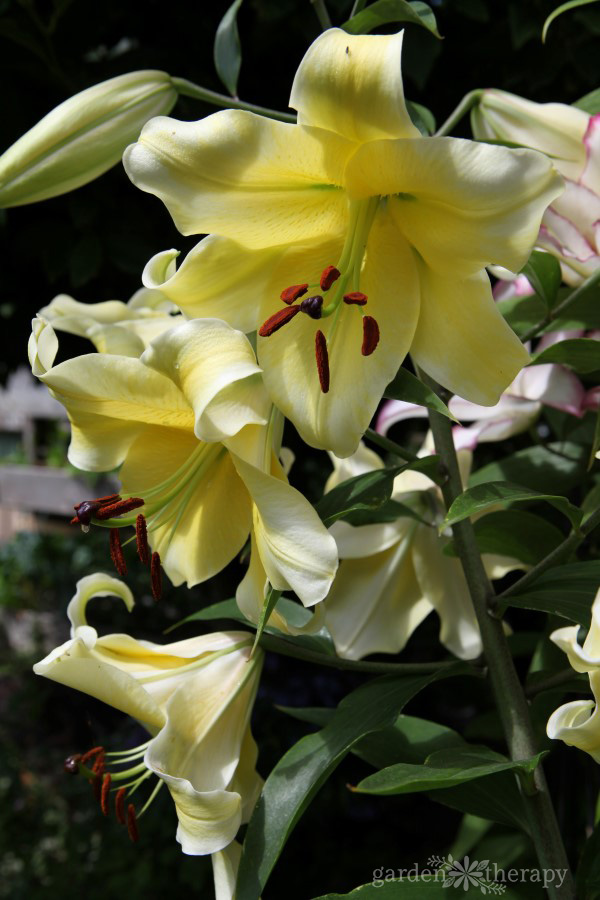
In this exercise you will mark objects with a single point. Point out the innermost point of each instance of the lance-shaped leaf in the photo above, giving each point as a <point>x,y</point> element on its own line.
<point>566,591</point>
<point>305,767</point>
<point>227,49</point>
<point>543,271</point>
<point>382,12</point>
<point>514,533</point>
<point>483,496</point>
<point>408,387</point>
<point>580,354</point>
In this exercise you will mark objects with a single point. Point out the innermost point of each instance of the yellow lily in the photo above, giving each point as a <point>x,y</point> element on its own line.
<point>392,575</point>
<point>578,723</point>
<point>194,697</point>
<point>192,428</point>
<point>113,326</point>
<point>350,206</point>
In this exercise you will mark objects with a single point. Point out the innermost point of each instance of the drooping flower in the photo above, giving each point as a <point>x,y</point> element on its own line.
<point>578,723</point>
<point>194,697</point>
<point>374,238</point>
<point>518,408</point>
<point>112,326</point>
<point>195,435</point>
<point>393,574</point>
<point>571,137</point>
<point>83,137</point>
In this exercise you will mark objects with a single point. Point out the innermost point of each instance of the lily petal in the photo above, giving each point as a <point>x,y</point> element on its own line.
<point>578,723</point>
<point>42,347</point>
<point>96,585</point>
<point>460,332</point>
<point>352,84</point>
<point>243,176</point>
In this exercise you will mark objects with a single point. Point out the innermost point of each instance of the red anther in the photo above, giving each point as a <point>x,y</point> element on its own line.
<point>328,276</point>
<point>132,828</point>
<point>71,764</point>
<point>322,360</point>
<point>109,498</point>
<point>291,293</point>
<point>141,539</point>
<point>278,320</point>
<point>98,767</point>
<point>119,508</point>
<point>370,335</point>
<point>355,298</point>
<point>156,576</point>
<point>104,794</point>
<point>85,757</point>
<point>96,783</point>
<point>116,552</point>
<point>120,806</point>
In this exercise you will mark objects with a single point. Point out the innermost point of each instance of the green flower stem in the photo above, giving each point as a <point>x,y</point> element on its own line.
<point>358,5</point>
<point>562,306</point>
<point>466,104</point>
<point>390,446</point>
<point>189,89</point>
<point>287,648</point>
<point>510,699</point>
<point>322,14</point>
<point>558,555</point>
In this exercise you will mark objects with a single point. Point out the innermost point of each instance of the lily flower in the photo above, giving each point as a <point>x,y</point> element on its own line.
<point>347,239</point>
<point>518,408</point>
<point>578,723</point>
<point>393,574</point>
<point>112,326</point>
<point>571,137</point>
<point>194,432</point>
<point>194,697</point>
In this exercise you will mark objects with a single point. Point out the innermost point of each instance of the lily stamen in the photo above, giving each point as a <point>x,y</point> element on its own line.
<point>322,361</point>
<point>121,507</point>
<point>104,793</point>
<point>156,576</point>
<point>116,552</point>
<point>370,335</point>
<point>132,829</point>
<point>328,276</point>
<point>141,539</point>
<point>355,298</point>
<point>293,292</point>
<point>312,306</point>
<point>278,320</point>
<point>120,806</point>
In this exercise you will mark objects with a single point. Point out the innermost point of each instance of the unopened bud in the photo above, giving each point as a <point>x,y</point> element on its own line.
<point>82,137</point>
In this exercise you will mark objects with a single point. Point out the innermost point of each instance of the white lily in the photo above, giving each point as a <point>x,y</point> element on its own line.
<point>392,575</point>
<point>192,428</point>
<point>408,224</point>
<point>193,696</point>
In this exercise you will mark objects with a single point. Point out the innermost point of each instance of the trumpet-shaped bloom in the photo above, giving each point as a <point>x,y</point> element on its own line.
<point>570,229</point>
<point>112,326</point>
<point>518,407</point>
<point>193,696</point>
<point>377,235</point>
<point>392,575</point>
<point>83,137</point>
<point>192,428</point>
<point>578,723</point>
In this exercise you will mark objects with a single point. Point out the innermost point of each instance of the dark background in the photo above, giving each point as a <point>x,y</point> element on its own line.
<point>93,244</point>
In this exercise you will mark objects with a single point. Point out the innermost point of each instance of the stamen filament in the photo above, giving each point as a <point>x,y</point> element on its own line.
<point>195,664</point>
<point>155,791</point>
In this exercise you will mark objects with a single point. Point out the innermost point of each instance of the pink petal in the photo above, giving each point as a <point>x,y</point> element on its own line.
<point>394,411</point>
<point>591,139</point>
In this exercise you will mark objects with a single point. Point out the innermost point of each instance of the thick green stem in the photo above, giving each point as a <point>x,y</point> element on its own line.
<point>510,698</point>
<point>287,648</point>
<point>466,104</point>
<point>189,89</point>
<point>558,555</point>
<point>322,14</point>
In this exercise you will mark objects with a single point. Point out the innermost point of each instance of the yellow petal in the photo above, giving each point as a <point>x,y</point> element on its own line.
<point>462,341</point>
<point>243,176</point>
<point>337,420</point>
<point>463,205</point>
<point>225,868</point>
<point>294,546</point>
<point>109,400</point>
<point>578,723</point>
<point>352,84</point>
<point>375,603</point>
<point>209,518</point>
<point>584,658</point>
<point>96,585</point>
<point>42,347</point>
<point>215,368</point>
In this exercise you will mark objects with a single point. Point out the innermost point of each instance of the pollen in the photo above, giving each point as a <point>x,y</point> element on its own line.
<point>116,552</point>
<point>294,292</point>
<point>370,335</point>
<point>328,276</point>
<point>141,539</point>
<point>156,576</point>
<point>132,828</point>
<point>104,794</point>
<point>322,361</point>
<point>119,508</point>
<point>278,320</point>
<point>120,806</point>
<point>355,298</point>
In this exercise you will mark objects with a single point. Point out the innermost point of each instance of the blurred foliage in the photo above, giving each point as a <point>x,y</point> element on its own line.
<point>93,244</point>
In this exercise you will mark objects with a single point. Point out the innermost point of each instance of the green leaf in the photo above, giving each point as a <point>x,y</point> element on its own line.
<point>543,271</point>
<point>515,533</point>
<point>390,511</point>
<point>522,313</point>
<point>227,50</point>
<point>588,870</point>
<point>482,496</point>
<point>494,797</point>
<point>580,354</point>
<point>589,103</point>
<point>423,887</point>
<point>445,768</point>
<point>382,12</point>
<point>363,492</point>
<point>421,117</point>
<point>595,441</point>
<point>269,605</point>
<point>306,766</point>
<point>559,466</point>
<point>408,387</point>
<point>567,591</point>
<point>564,7</point>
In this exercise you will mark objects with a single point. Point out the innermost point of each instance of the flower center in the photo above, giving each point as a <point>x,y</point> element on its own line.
<point>341,285</point>
<point>164,505</point>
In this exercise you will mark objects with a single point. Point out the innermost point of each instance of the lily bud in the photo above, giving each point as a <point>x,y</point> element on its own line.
<point>83,137</point>
<point>555,129</point>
